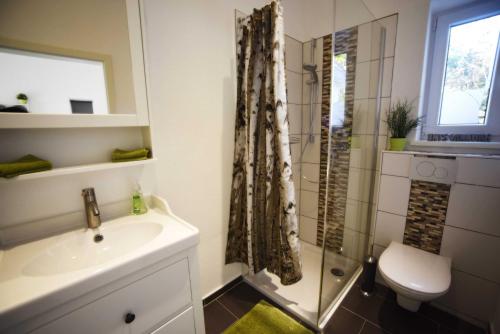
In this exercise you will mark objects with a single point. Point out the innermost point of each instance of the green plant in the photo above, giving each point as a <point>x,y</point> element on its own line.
<point>399,120</point>
<point>22,96</point>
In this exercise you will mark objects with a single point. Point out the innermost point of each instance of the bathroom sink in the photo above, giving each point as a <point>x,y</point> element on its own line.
<point>86,250</point>
<point>43,274</point>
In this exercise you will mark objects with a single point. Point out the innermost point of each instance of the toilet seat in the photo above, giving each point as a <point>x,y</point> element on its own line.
<point>415,271</point>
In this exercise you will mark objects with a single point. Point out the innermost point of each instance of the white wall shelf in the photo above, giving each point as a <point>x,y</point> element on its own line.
<point>78,170</point>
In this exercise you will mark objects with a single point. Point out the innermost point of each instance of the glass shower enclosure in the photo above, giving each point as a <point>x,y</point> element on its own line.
<point>335,121</point>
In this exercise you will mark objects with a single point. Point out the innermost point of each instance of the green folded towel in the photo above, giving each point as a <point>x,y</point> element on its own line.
<point>27,164</point>
<point>132,155</point>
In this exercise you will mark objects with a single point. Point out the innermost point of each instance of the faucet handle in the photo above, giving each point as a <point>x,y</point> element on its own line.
<point>88,192</point>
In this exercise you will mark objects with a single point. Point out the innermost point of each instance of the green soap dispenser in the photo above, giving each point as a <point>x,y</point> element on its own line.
<point>138,205</point>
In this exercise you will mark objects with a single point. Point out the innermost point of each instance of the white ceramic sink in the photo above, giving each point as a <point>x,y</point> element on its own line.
<point>80,251</point>
<point>42,274</point>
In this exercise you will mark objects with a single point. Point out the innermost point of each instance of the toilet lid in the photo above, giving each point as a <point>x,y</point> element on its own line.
<point>416,269</point>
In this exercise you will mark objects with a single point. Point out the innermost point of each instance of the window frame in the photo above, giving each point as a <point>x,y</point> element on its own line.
<point>443,22</point>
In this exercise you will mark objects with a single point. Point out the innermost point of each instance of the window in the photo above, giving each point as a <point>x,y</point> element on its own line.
<point>464,87</point>
<point>338,90</point>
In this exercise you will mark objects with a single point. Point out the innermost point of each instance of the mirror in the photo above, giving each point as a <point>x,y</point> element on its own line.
<point>71,57</point>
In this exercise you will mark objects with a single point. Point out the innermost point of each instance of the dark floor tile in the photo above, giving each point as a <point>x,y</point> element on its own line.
<point>242,298</point>
<point>217,318</point>
<point>344,322</point>
<point>222,290</point>
<point>371,329</point>
<point>448,321</point>
<point>388,315</point>
<point>380,290</point>
<point>385,292</point>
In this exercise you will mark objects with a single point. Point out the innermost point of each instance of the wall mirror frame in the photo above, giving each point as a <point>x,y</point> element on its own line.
<point>141,115</point>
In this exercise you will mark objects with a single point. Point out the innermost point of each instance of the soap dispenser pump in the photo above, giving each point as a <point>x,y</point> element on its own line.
<point>138,204</point>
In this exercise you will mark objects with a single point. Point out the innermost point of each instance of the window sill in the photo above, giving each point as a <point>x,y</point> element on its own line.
<point>459,144</point>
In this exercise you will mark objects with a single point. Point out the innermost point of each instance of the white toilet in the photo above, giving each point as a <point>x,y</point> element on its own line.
<point>415,275</point>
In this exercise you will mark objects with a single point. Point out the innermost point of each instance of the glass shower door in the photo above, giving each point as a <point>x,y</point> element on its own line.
<point>349,159</point>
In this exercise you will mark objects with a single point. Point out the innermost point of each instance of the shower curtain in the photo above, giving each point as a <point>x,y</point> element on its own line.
<point>263,230</point>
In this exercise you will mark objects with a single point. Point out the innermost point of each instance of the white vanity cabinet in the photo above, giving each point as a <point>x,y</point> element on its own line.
<point>158,303</point>
<point>147,283</point>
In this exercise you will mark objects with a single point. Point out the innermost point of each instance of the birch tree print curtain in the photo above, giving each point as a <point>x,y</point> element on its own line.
<point>263,223</point>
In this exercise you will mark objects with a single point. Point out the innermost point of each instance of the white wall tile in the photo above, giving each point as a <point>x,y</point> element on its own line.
<point>309,204</point>
<point>390,227</point>
<point>376,189</point>
<point>396,164</point>
<point>362,152</point>
<point>359,117</point>
<point>364,42</point>
<point>294,86</point>
<point>474,208</point>
<point>384,108</point>
<point>371,116</point>
<point>312,150</point>
<point>308,229</point>
<point>310,177</point>
<point>354,244</point>
<point>295,119</point>
<point>362,80</point>
<point>390,24</point>
<point>293,54</point>
<point>307,87</point>
<point>295,149</point>
<point>355,158</point>
<point>387,79</point>
<point>318,53</point>
<point>296,171</point>
<point>394,194</point>
<point>471,295</point>
<point>377,252</point>
<point>364,116</point>
<point>316,118</point>
<point>373,80</point>
<point>358,187</point>
<point>472,252</point>
<point>479,171</point>
<point>356,216</point>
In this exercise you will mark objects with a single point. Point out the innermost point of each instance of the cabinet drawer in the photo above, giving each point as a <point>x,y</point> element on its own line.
<point>151,299</point>
<point>181,324</point>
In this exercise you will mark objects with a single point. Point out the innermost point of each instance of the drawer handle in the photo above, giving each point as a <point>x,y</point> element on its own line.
<point>129,317</point>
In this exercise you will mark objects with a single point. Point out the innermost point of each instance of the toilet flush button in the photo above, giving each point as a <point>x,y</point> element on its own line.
<point>433,169</point>
<point>426,168</point>
<point>441,173</point>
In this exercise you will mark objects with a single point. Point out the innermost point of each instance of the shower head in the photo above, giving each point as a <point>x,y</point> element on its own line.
<point>311,68</point>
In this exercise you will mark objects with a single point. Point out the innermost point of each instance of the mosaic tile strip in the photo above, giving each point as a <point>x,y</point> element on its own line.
<point>345,42</point>
<point>426,215</point>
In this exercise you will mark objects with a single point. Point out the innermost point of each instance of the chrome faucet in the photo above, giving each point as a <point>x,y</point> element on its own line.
<point>91,208</point>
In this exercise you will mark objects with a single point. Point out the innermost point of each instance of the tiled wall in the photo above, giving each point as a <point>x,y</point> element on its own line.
<point>470,235</point>
<point>362,155</point>
<point>293,66</point>
<point>310,158</point>
<point>333,192</point>
<point>307,169</point>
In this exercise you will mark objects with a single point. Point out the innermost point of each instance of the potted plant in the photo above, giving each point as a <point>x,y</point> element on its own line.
<point>400,123</point>
<point>22,98</point>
